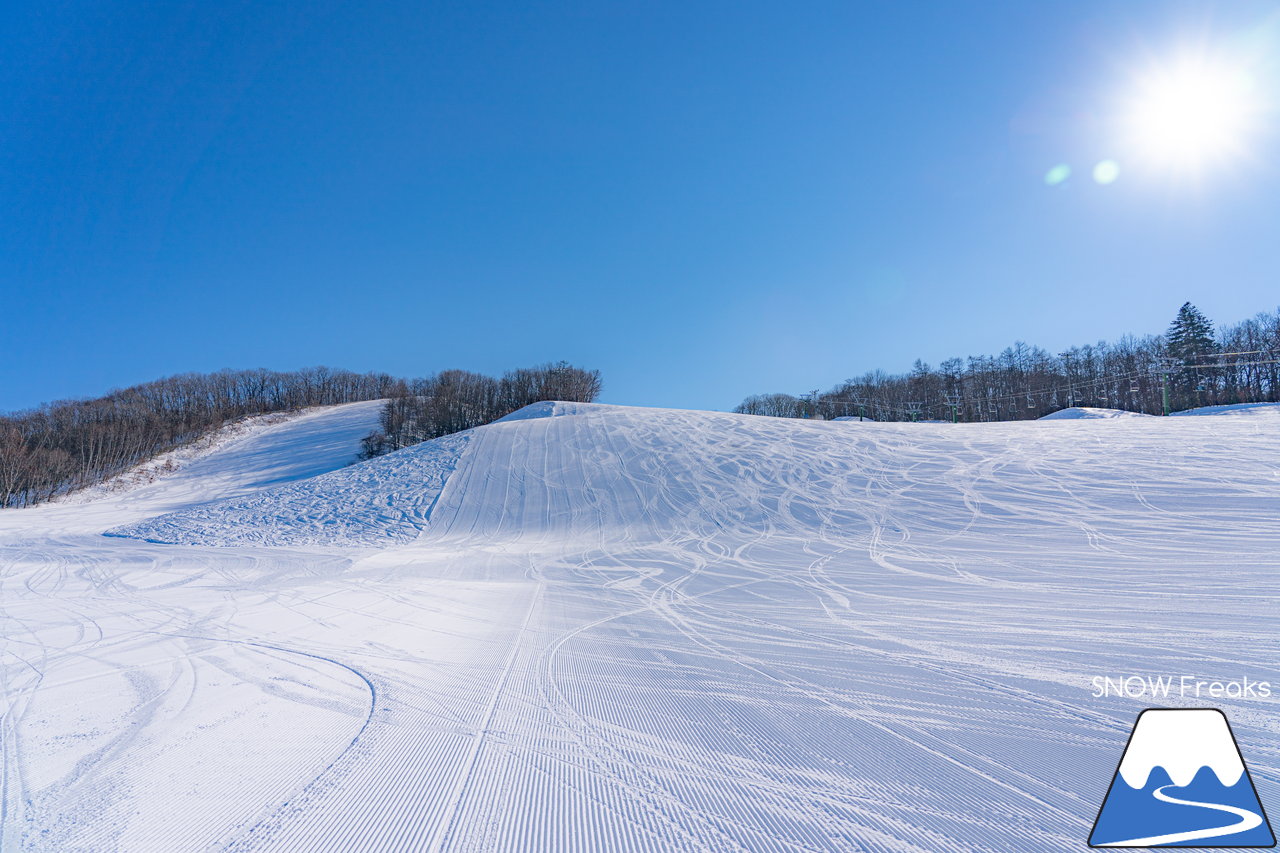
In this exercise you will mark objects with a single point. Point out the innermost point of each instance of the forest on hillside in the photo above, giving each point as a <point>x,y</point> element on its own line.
<point>1192,364</point>
<point>60,447</point>
<point>70,444</point>
<point>454,400</point>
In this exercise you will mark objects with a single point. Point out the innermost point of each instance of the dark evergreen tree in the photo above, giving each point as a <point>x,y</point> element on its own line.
<point>1190,336</point>
<point>1190,343</point>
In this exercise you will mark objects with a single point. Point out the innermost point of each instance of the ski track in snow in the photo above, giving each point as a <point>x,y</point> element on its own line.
<point>602,628</point>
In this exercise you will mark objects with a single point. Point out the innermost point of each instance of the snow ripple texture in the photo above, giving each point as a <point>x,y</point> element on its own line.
<point>591,628</point>
<point>382,502</point>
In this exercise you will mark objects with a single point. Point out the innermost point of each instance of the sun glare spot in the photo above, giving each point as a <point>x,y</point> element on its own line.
<point>1193,113</point>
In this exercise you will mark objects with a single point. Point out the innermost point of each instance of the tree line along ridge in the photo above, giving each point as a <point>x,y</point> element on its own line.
<point>1192,364</point>
<point>65,446</point>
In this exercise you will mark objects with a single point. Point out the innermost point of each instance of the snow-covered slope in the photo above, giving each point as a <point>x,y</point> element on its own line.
<point>239,461</point>
<point>1075,413</point>
<point>1265,409</point>
<point>1087,412</point>
<point>608,628</point>
<point>382,502</point>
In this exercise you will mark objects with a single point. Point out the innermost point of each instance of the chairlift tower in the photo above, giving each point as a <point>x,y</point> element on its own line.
<point>953,400</point>
<point>813,398</point>
<point>1166,369</point>
<point>861,404</point>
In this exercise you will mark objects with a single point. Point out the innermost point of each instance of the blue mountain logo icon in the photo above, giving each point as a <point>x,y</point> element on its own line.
<point>1182,782</point>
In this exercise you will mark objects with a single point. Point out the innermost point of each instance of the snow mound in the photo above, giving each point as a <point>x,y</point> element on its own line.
<point>556,408</point>
<point>1268,409</point>
<point>533,410</point>
<point>1076,413</point>
<point>385,501</point>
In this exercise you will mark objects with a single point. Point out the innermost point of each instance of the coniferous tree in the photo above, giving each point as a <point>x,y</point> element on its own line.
<point>1189,342</point>
<point>1190,335</point>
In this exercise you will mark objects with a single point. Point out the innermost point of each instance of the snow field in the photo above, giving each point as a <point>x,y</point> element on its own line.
<point>595,627</point>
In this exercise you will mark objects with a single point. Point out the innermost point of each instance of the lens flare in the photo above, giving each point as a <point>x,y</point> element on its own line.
<point>1057,175</point>
<point>1106,172</point>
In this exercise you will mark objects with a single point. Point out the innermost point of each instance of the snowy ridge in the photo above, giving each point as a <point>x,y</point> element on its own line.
<point>561,408</point>
<point>1233,409</point>
<point>1181,742</point>
<point>1092,413</point>
<point>1075,413</point>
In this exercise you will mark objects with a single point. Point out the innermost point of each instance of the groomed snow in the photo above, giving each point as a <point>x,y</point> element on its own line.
<point>1086,412</point>
<point>609,628</point>
<point>1233,409</point>
<point>1089,413</point>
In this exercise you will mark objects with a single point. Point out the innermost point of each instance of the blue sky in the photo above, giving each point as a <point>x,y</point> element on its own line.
<point>703,200</point>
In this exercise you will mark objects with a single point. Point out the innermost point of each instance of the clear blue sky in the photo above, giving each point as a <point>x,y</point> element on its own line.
<point>703,200</point>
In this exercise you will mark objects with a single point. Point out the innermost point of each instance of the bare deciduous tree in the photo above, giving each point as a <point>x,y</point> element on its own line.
<point>1238,364</point>
<point>456,400</point>
<point>67,445</point>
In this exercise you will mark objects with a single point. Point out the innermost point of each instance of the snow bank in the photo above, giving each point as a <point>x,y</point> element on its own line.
<point>561,408</point>
<point>1076,413</point>
<point>1088,412</point>
<point>1234,409</point>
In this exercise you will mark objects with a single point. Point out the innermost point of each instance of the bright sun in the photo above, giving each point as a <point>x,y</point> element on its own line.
<point>1192,114</point>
